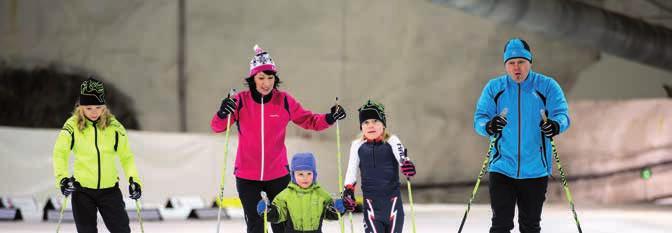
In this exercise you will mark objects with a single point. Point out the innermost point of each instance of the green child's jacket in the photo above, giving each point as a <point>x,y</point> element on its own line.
<point>301,209</point>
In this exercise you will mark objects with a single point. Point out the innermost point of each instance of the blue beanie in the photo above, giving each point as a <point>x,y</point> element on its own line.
<point>304,162</point>
<point>517,48</point>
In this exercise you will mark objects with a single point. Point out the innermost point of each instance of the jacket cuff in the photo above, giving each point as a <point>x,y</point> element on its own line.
<point>329,118</point>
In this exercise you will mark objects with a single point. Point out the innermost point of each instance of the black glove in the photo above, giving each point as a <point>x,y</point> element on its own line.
<point>337,113</point>
<point>228,106</point>
<point>549,128</point>
<point>134,189</point>
<point>67,186</point>
<point>495,125</point>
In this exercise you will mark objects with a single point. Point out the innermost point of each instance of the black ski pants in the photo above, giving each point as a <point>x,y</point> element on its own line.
<point>528,194</point>
<point>109,202</point>
<point>249,194</point>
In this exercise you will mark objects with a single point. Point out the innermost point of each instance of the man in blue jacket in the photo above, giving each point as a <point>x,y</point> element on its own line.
<point>520,161</point>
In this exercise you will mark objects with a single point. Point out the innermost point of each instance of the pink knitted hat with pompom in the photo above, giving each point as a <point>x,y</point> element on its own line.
<point>261,62</point>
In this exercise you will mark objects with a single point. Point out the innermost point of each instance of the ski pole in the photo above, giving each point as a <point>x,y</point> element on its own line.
<point>563,176</point>
<point>481,173</point>
<point>410,193</point>
<point>60,215</point>
<point>138,208</point>
<point>226,153</point>
<point>265,198</point>
<point>340,169</point>
<point>137,211</point>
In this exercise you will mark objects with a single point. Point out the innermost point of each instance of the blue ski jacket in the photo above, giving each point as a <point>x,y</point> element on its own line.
<point>521,151</point>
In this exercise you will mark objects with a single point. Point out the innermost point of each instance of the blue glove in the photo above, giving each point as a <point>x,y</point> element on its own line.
<point>261,207</point>
<point>338,204</point>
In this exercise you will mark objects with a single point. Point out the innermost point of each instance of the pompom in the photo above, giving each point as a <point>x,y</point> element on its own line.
<point>258,49</point>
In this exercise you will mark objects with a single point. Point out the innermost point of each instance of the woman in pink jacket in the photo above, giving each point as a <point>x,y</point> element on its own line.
<point>261,115</point>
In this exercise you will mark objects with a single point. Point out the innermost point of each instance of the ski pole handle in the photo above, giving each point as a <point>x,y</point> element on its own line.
<point>338,105</point>
<point>264,197</point>
<point>504,112</point>
<point>543,115</point>
<point>404,157</point>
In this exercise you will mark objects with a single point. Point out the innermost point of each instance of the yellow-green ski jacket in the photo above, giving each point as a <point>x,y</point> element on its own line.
<point>95,150</point>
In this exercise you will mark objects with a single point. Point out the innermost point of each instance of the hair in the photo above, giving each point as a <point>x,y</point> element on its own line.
<point>250,80</point>
<point>104,120</point>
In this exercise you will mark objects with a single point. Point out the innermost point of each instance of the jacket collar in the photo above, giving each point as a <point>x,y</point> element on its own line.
<point>89,122</point>
<point>256,96</point>
<point>528,83</point>
<point>297,188</point>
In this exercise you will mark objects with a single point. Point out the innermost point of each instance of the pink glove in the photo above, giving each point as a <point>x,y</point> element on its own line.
<point>407,168</point>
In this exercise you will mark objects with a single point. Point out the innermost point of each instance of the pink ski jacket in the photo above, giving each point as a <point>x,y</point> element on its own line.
<point>278,111</point>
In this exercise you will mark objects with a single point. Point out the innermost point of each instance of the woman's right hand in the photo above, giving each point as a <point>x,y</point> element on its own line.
<point>227,107</point>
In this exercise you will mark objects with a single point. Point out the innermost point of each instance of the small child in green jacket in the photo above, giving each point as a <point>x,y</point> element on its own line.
<point>303,204</point>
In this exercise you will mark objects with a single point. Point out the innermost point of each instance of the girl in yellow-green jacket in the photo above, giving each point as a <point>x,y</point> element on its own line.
<point>96,138</point>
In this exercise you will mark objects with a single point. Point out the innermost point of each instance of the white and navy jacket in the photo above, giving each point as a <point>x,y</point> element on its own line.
<point>379,164</point>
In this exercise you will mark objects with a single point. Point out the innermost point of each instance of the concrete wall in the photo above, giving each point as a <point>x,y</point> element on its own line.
<point>614,78</point>
<point>428,64</point>
<point>611,142</point>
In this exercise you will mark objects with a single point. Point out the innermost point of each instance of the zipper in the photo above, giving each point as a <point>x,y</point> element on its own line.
<point>262,138</point>
<point>518,174</point>
<point>373,153</point>
<point>543,154</point>
<point>303,218</point>
<point>95,133</point>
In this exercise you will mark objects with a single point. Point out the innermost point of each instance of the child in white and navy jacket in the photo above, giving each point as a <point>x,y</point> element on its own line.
<point>379,156</point>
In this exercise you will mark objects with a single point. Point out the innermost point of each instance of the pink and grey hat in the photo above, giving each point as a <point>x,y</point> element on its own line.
<point>261,62</point>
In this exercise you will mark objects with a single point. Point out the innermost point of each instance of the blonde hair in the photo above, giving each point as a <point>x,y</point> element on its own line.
<point>104,120</point>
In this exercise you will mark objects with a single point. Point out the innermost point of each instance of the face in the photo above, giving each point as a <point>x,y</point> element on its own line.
<point>93,112</point>
<point>303,178</point>
<point>372,129</point>
<point>518,68</point>
<point>264,83</point>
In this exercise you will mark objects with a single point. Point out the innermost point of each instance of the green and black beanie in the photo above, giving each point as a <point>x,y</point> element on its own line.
<point>91,92</point>
<point>372,110</point>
